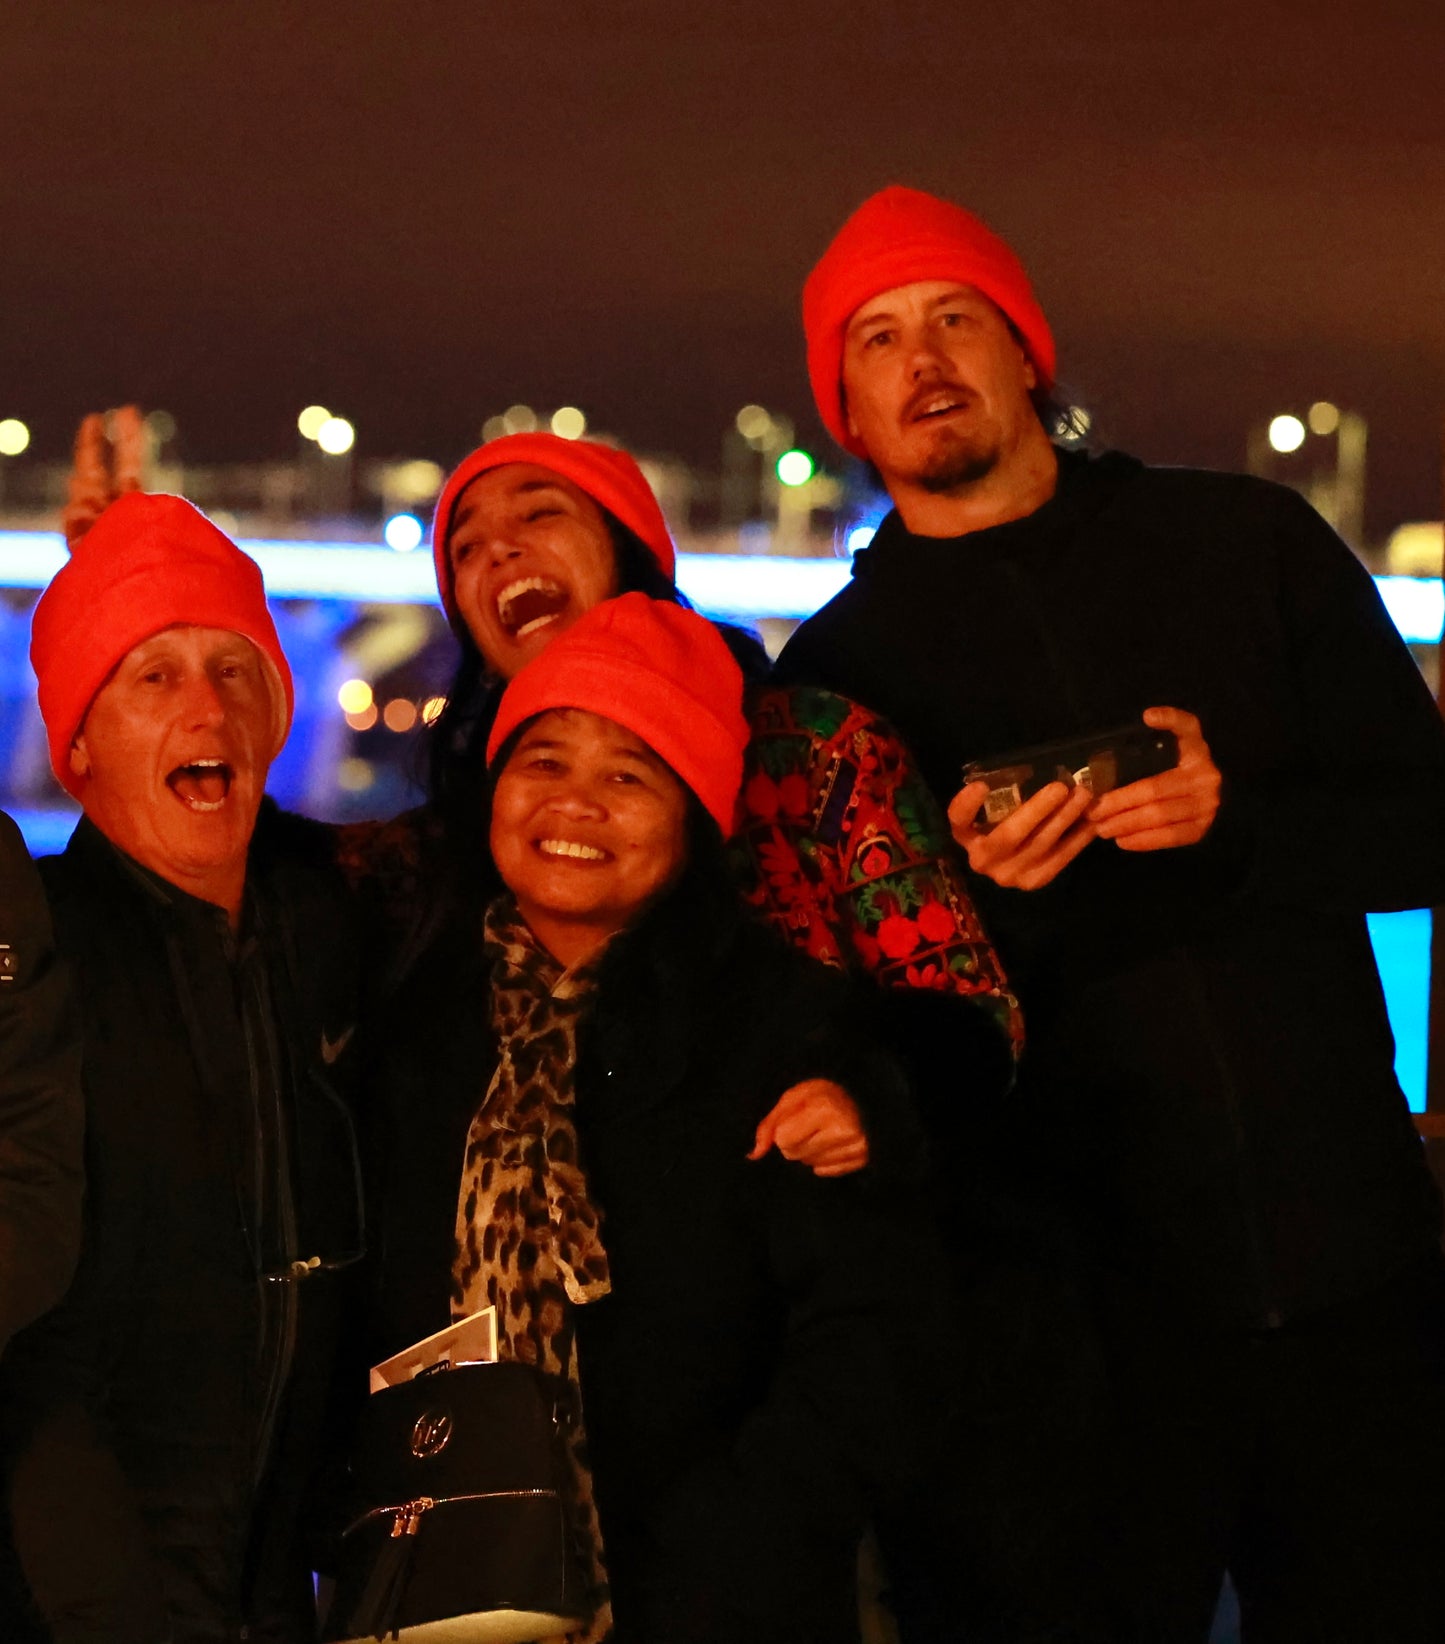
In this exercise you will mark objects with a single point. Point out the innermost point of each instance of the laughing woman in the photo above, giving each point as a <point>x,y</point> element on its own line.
<point>594,1057</point>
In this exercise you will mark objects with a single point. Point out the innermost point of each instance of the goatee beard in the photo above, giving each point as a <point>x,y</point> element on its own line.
<point>955,465</point>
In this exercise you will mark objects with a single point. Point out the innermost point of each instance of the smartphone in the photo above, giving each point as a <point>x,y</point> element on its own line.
<point>1108,759</point>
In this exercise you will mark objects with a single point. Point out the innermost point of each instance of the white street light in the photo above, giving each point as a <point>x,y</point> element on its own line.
<point>403,533</point>
<point>1286,434</point>
<point>753,422</point>
<point>568,423</point>
<point>1324,418</point>
<point>311,421</point>
<point>14,437</point>
<point>336,436</point>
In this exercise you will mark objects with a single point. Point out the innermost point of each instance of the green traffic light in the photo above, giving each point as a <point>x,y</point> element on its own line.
<point>795,467</point>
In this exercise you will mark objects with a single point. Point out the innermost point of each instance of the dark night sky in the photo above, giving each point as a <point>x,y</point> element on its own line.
<point>419,211</point>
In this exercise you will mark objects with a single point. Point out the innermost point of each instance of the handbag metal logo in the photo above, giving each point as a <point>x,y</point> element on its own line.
<point>432,1433</point>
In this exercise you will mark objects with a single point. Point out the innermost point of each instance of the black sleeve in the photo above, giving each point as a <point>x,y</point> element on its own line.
<point>956,1055</point>
<point>848,1415</point>
<point>856,1400</point>
<point>80,1536</point>
<point>1356,819</point>
<point>66,1488</point>
<point>76,1526</point>
<point>41,1113</point>
<point>818,652</point>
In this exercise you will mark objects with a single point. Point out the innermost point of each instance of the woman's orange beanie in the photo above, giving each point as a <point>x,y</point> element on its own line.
<point>661,671</point>
<point>898,237</point>
<point>148,563</point>
<point>609,476</point>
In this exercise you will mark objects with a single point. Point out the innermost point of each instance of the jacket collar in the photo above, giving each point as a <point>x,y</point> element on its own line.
<point>102,860</point>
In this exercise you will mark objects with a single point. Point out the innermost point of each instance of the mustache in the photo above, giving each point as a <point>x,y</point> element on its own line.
<point>955,391</point>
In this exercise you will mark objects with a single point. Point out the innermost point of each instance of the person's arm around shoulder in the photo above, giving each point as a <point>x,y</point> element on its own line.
<point>41,1107</point>
<point>850,1409</point>
<point>844,850</point>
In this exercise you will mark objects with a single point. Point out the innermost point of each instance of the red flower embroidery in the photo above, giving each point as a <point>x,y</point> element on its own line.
<point>777,858</point>
<point>868,950</point>
<point>936,922</point>
<point>897,936</point>
<point>761,796</point>
<point>793,795</point>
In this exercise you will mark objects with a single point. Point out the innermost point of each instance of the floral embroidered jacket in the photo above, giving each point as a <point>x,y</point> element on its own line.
<point>841,845</point>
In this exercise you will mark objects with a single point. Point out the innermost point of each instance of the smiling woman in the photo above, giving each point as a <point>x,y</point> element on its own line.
<point>587,828</point>
<point>725,1438</point>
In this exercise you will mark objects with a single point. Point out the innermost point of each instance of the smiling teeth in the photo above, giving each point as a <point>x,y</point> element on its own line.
<point>568,847</point>
<point>523,585</point>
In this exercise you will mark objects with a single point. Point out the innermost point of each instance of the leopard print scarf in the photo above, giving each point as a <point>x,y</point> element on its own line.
<point>528,1238</point>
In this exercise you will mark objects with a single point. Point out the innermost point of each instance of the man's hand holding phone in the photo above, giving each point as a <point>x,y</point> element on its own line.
<point>1034,844</point>
<point>1037,841</point>
<point>1176,807</point>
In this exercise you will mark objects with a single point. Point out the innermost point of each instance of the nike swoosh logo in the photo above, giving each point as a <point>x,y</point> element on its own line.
<point>332,1048</point>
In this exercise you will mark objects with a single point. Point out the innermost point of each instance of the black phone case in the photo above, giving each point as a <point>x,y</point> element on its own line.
<point>1104,760</point>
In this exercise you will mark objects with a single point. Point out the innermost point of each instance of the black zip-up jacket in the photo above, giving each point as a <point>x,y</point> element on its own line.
<point>1209,1071</point>
<point>40,1105</point>
<point>771,1358</point>
<point>164,1420</point>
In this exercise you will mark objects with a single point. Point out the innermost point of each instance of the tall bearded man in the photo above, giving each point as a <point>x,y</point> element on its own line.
<point>164,1418</point>
<point>1208,1088</point>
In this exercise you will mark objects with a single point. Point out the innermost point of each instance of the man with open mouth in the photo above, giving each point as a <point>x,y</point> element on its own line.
<point>1208,1097</point>
<point>165,1415</point>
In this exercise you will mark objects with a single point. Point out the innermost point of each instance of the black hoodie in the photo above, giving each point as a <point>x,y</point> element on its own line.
<point>1209,1073</point>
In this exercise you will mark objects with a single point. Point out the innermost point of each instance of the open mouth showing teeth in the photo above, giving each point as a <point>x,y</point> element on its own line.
<point>529,604</point>
<point>203,785</point>
<point>936,408</point>
<point>570,848</point>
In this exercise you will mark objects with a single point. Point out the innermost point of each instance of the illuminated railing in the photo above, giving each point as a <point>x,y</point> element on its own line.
<point>744,585</point>
<point>750,585</point>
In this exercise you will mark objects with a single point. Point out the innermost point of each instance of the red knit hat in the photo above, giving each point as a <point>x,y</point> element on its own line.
<point>609,476</point>
<point>148,563</point>
<point>898,237</point>
<point>661,671</point>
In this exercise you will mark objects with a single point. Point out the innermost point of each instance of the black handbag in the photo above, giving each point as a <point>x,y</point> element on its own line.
<point>464,1536</point>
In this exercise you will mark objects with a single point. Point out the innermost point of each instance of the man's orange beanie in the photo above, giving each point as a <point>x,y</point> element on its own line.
<point>609,476</point>
<point>661,671</point>
<point>898,237</point>
<point>148,563</point>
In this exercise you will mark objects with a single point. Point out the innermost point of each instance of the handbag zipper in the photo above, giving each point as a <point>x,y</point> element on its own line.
<point>407,1515</point>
